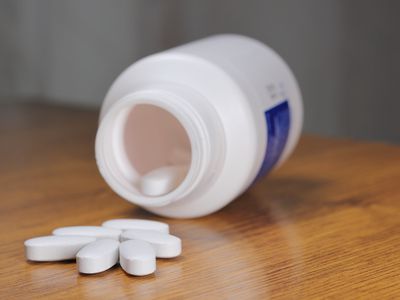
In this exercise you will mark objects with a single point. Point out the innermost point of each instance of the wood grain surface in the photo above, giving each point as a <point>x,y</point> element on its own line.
<point>325,225</point>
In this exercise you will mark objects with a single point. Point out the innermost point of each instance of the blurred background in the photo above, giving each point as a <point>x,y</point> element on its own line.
<point>345,54</point>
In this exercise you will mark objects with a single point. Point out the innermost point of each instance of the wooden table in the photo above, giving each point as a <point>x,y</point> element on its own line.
<point>325,225</point>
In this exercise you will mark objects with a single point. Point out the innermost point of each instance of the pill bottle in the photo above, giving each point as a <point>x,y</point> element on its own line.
<point>207,119</point>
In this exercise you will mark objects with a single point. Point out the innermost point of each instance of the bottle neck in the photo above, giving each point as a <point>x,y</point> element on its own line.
<point>153,127</point>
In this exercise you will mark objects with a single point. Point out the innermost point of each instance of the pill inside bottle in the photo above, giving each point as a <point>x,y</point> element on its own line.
<point>151,150</point>
<point>162,180</point>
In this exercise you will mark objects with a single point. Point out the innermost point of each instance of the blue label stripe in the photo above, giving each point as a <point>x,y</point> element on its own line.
<point>278,124</point>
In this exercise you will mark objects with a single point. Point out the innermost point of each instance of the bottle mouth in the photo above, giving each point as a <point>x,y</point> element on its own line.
<point>152,148</point>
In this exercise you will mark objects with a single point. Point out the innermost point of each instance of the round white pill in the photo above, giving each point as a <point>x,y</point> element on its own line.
<point>98,256</point>
<point>165,245</point>
<point>93,231</point>
<point>54,248</point>
<point>162,180</point>
<point>137,257</point>
<point>125,224</point>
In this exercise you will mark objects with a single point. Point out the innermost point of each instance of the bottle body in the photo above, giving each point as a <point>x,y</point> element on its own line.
<point>226,108</point>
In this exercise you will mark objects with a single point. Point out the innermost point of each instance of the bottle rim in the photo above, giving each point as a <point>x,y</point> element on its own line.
<point>194,125</point>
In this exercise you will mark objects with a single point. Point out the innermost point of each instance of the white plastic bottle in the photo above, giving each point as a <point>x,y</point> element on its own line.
<point>223,111</point>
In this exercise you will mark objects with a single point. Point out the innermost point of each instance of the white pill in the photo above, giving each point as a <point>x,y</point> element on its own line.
<point>54,248</point>
<point>98,256</point>
<point>162,180</point>
<point>165,245</point>
<point>93,231</point>
<point>125,224</point>
<point>137,257</point>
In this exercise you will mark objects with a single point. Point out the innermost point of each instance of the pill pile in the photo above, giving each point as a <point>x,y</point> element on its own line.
<point>134,243</point>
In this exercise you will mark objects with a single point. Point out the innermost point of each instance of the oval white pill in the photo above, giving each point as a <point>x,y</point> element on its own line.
<point>125,224</point>
<point>165,245</point>
<point>98,256</point>
<point>54,248</point>
<point>137,257</point>
<point>93,231</point>
<point>162,180</point>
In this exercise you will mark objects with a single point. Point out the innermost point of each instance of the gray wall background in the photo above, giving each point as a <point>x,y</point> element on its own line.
<point>345,54</point>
